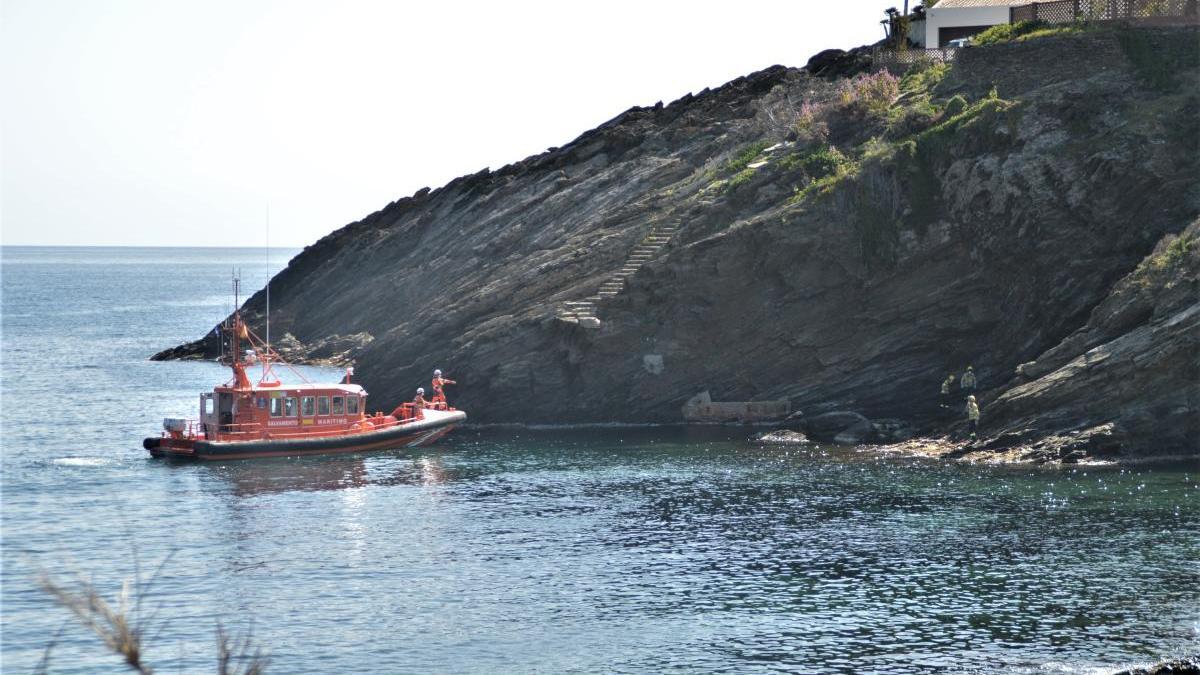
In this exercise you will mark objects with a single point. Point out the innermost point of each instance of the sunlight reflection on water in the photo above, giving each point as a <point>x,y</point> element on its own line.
<point>616,550</point>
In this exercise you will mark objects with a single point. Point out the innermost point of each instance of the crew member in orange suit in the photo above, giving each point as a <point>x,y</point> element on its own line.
<point>417,405</point>
<point>439,394</point>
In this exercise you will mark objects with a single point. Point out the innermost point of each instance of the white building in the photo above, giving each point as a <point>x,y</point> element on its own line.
<point>953,19</point>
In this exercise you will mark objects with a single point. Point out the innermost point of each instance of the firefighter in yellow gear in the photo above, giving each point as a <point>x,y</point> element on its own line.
<point>967,383</point>
<point>946,385</point>
<point>972,415</point>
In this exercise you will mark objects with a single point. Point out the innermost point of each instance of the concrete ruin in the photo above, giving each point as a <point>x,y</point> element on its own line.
<point>701,408</point>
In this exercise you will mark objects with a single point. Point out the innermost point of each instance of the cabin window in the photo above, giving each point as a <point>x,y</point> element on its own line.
<point>308,406</point>
<point>277,407</point>
<point>352,405</point>
<point>323,405</point>
<point>261,402</point>
<point>339,405</point>
<point>289,407</point>
<point>208,406</point>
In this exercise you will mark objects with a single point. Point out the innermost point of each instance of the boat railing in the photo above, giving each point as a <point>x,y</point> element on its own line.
<point>191,429</point>
<point>247,431</point>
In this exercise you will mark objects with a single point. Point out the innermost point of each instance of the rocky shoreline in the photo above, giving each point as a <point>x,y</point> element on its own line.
<point>842,244</point>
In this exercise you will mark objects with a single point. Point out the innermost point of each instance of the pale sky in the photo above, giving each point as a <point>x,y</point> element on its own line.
<point>130,122</point>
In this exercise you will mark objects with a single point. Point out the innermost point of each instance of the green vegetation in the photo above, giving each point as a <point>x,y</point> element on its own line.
<point>741,178</point>
<point>739,166</point>
<point>743,158</point>
<point>1006,32</point>
<point>886,157</point>
<point>923,76</point>
<point>916,110</point>
<point>904,121</point>
<point>824,162</point>
<point>1175,253</point>
<point>824,185</point>
<point>819,169</point>
<point>957,105</point>
<point>1159,269</point>
<point>1051,31</point>
<point>1023,31</point>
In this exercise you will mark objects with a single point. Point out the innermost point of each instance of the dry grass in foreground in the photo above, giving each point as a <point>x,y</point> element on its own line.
<point>122,627</point>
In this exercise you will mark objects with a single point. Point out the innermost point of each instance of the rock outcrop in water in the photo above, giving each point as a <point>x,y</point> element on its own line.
<point>842,244</point>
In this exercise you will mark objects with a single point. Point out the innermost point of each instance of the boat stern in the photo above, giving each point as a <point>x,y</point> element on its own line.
<point>161,446</point>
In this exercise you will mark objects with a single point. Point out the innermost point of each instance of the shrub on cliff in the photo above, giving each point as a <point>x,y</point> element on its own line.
<point>869,94</point>
<point>822,169</point>
<point>811,126</point>
<point>1023,31</point>
<point>923,76</point>
<point>1006,32</point>
<point>904,121</point>
<point>1176,252</point>
<point>956,105</point>
<point>824,162</point>
<point>743,158</point>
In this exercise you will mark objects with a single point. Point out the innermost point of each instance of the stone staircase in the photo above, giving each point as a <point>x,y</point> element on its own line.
<point>583,311</point>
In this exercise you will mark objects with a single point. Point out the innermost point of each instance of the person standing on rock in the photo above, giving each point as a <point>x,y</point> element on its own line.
<point>946,385</point>
<point>439,393</point>
<point>972,415</point>
<point>967,383</point>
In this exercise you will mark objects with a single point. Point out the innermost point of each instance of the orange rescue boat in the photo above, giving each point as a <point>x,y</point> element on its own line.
<point>241,420</point>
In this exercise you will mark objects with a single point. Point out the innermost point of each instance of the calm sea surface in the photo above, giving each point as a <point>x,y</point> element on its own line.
<point>539,551</point>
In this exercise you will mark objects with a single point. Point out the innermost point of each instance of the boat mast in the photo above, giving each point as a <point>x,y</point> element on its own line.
<point>240,381</point>
<point>235,341</point>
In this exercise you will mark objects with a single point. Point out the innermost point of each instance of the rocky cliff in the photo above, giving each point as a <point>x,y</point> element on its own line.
<point>842,242</point>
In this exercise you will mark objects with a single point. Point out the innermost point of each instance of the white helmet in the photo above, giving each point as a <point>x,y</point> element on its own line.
<point>420,390</point>
<point>437,373</point>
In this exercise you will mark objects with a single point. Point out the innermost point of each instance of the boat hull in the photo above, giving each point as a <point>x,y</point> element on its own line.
<point>436,424</point>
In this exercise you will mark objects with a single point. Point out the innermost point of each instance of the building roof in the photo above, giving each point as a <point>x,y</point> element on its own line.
<point>950,4</point>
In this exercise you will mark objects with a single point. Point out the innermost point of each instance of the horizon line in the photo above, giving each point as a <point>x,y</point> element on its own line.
<point>2,245</point>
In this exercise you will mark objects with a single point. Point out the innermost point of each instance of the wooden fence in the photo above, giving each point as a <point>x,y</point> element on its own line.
<point>897,61</point>
<point>1069,11</point>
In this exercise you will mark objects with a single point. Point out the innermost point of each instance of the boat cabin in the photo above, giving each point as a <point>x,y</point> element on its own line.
<point>231,413</point>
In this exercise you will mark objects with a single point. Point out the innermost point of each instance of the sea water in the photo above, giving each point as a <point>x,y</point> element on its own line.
<point>615,550</point>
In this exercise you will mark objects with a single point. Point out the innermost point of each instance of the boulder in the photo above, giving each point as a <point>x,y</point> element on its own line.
<point>892,431</point>
<point>839,63</point>
<point>830,424</point>
<point>862,432</point>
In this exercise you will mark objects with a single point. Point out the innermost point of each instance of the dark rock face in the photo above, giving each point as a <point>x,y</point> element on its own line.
<point>1014,240</point>
<point>833,63</point>
<point>1140,347</point>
